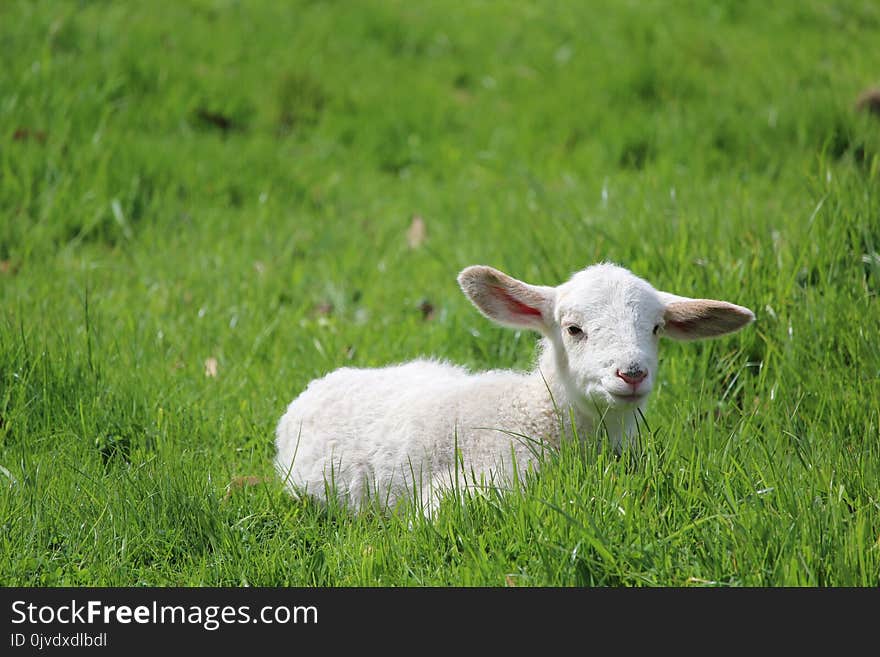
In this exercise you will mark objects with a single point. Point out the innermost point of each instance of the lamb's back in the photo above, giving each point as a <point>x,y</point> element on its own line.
<point>357,423</point>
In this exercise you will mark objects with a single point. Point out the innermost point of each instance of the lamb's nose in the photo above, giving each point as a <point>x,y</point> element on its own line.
<point>633,375</point>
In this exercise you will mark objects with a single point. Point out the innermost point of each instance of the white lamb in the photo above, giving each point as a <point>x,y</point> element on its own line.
<point>415,430</point>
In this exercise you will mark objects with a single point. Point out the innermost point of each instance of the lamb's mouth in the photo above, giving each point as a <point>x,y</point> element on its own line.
<point>629,398</point>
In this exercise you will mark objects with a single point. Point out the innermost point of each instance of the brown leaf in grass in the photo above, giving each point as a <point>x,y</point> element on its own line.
<point>242,482</point>
<point>211,367</point>
<point>869,101</point>
<point>24,134</point>
<point>427,309</point>
<point>323,309</point>
<point>9,267</point>
<point>417,232</point>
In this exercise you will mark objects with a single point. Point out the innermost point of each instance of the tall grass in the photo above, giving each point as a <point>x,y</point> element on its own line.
<point>204,205</point>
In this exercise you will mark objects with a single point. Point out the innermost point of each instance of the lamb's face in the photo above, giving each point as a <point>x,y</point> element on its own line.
<point>609,324</point>
<point>604,325</point>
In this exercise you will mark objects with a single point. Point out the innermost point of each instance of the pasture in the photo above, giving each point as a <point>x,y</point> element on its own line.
<point>206,204</point>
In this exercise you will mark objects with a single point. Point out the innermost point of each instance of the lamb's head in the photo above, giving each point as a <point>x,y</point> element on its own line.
<point>603,325</point>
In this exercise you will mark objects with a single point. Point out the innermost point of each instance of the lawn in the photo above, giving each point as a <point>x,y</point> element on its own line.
<point>206,204</point>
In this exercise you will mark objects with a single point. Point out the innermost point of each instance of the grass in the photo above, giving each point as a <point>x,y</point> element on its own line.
<point>204,205</point>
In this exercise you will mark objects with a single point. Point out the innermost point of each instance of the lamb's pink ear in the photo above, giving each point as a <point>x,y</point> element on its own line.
<point>507,301</point>
<point>694,319</point>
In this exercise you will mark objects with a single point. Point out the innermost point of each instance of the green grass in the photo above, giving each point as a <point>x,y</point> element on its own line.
<point>234,181</point>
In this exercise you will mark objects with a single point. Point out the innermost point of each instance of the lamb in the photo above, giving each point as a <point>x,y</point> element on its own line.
<point>416,430</point>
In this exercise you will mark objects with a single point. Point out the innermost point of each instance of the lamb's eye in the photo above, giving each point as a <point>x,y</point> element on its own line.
<point>574,330</point>
<point>656,329</point>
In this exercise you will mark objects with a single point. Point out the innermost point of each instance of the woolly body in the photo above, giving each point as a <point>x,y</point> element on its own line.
<point>411,419</point>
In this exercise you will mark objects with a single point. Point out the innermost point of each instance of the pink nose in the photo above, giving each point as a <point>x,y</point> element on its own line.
<point>633,376</point>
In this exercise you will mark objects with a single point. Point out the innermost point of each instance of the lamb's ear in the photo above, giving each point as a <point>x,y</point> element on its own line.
<point>507,301</point>
<point>693,319</point>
